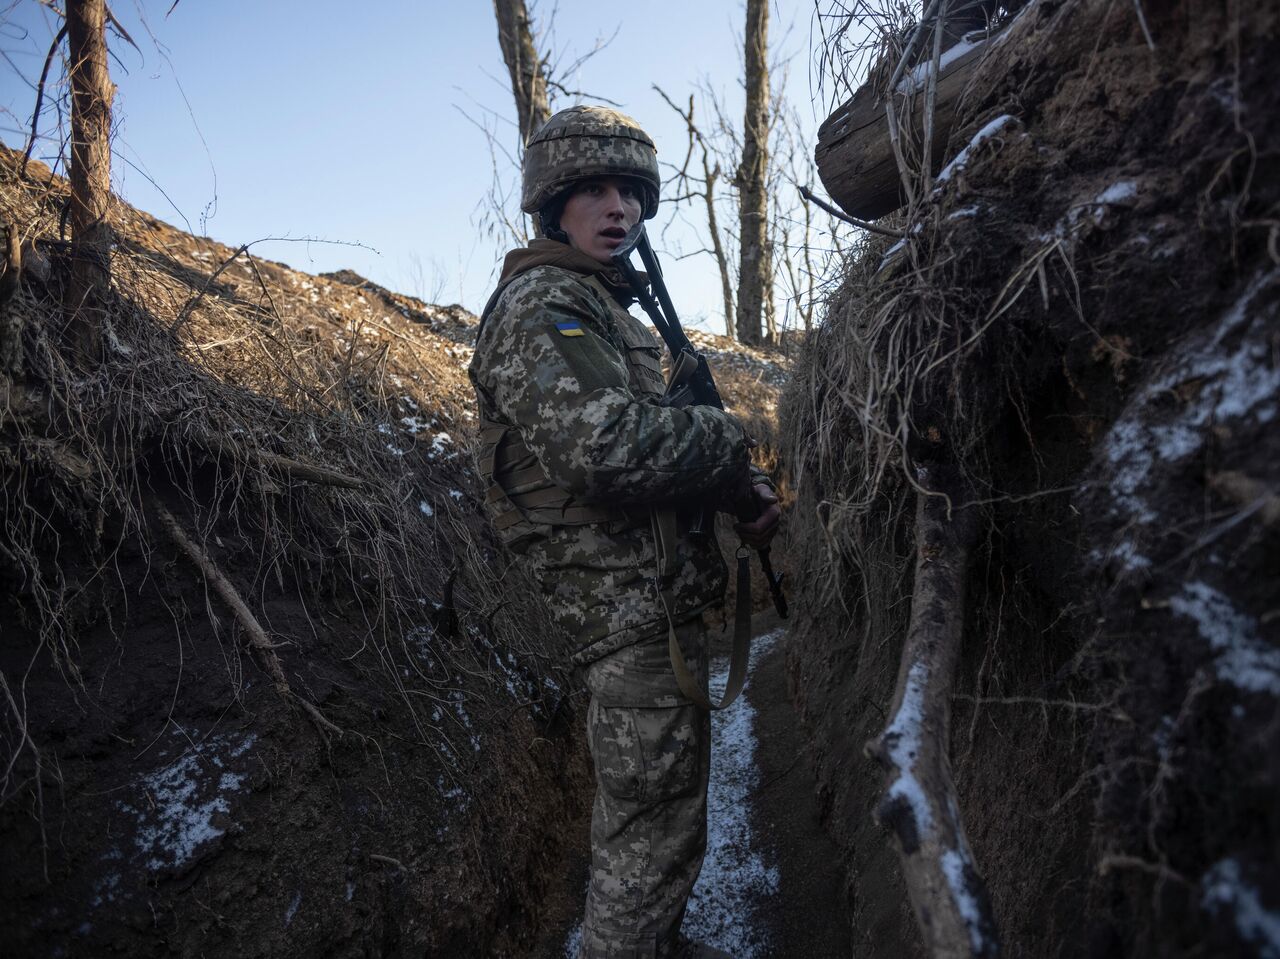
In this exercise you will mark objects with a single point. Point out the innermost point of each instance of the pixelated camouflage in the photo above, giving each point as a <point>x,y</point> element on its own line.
<point>649,823</point>
<point>578,420</point>
<point>583,142</point>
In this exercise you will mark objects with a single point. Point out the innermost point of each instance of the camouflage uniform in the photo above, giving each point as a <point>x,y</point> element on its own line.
<point>577,450</point>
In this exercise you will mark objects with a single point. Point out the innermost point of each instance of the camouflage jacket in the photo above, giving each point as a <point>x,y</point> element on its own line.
<point>577,450</point>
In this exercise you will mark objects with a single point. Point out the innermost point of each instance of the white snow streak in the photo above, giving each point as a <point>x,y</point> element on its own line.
<point>1243,659</point>
<point>916,79</point>
<point>903,736</point>
<point>961,160</point>
<point>1233,382</point>
<point>953,863</point>
<point>1223,888</point>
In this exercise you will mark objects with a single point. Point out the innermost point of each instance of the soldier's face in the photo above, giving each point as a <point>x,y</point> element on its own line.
<point>598,214</point>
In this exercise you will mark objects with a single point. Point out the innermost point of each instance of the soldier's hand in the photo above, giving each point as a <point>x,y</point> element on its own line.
<point>760,531</point>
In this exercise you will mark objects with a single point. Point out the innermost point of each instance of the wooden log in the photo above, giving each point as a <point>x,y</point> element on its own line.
<point>920,805</point>
<point>854,154</point>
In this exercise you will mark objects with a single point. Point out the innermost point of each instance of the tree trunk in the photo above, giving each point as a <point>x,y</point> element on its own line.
<point>91,95</point>
<point>528,83</point>
<point>753,269</point>
<point>920,806</point>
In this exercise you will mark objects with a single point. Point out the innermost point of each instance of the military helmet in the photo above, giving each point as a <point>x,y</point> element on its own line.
<point>584,142</point>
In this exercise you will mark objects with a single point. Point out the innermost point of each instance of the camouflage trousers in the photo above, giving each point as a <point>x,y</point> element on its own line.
<point>652,753</point>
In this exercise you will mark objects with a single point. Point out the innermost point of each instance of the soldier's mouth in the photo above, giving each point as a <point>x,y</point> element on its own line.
<point>614,233</point>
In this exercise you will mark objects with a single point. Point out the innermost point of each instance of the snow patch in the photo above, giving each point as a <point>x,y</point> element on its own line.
<point>1224,888</point>
<point>953,867</point>
<point>961,159</point>
<point>180,802</point>
<point>1231,383</point>
<point>440,446</point>
<point>1118,193</point>
<point>1242,659</point>
<point>903,737</point>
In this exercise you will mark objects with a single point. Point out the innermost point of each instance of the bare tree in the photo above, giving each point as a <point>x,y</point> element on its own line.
<point>91,95</point>
<point>688,189</point>
<point>754,269</point>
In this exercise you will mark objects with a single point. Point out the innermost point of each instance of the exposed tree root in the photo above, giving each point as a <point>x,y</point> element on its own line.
<point>258,639</point>
<point>285,464</point>
<point>920,806</point>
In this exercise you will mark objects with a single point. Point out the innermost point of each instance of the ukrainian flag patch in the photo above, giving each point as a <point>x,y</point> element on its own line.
<point>571,328</point>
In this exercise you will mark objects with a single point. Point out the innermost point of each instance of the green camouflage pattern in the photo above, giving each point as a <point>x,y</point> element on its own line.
<point>583,142</point>
<point>652,752</point>
<point>587,407</point>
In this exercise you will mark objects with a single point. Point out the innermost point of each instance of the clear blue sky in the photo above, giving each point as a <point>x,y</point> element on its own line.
<point>346,122</point>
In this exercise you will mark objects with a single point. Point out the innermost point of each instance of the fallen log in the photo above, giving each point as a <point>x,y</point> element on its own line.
<point>854,153</point>
<point>920,806</point>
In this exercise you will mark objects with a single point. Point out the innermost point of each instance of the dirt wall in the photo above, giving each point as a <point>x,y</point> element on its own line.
<point>1096,279</point>
<point>270,685</point>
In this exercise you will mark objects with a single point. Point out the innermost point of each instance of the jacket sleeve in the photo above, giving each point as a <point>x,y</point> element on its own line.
<point>548,361</point>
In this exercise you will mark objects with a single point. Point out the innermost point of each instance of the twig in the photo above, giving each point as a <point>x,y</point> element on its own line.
<point>930,102</point>
<point>191,304</point>
<point>1158,869</point>
<point>852,221</point>
<point>35,114</point>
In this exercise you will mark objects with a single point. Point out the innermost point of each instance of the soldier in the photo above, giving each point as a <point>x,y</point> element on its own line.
<point>580,457</point>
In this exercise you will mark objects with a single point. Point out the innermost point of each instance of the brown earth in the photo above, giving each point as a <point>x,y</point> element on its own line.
<point>397,768</point>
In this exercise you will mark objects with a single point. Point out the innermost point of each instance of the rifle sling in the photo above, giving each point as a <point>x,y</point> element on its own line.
<point>741,654</point>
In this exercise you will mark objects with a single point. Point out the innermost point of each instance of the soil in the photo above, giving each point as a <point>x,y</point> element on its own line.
<point>809,914</point>
<point>1114,725</point>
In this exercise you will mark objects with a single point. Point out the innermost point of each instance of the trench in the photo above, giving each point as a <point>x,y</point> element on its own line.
<point>771,883</point>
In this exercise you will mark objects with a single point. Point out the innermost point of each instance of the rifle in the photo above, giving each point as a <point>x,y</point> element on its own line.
<point>695,384</point>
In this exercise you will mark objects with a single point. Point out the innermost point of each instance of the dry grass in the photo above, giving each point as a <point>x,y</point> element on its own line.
<point>321,426</point>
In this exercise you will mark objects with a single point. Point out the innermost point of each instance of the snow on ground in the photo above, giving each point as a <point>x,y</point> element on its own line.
<point>736,875</point>
<point>184,804</point>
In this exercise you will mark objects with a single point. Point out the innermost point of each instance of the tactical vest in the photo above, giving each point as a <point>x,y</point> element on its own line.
<point>520,494</point>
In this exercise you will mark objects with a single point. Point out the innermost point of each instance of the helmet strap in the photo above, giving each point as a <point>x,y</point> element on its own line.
<point>549,221</point>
